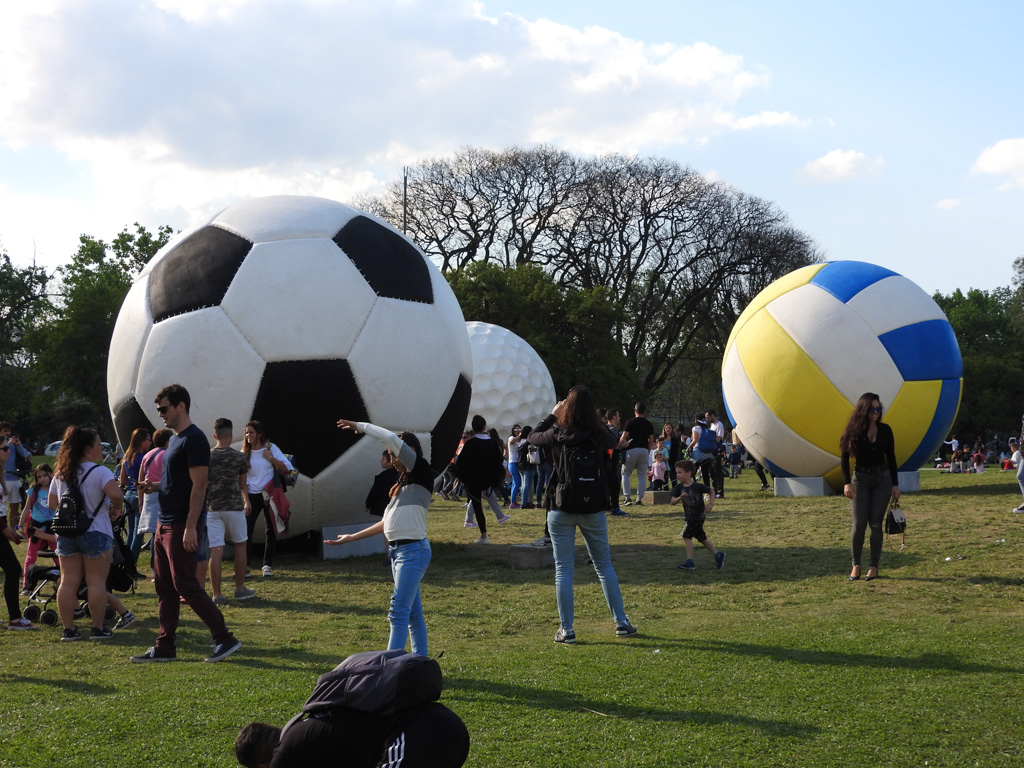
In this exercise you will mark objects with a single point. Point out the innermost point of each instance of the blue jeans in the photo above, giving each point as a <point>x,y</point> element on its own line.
<point>408,564</point>
<point>529,473</point>
<point>517,480</point>
<point>1020,477</point>
<point>562,527</point>
<point>543,477</point>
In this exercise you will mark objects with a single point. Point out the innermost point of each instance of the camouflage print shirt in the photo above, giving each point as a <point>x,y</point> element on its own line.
<point>223,493</point>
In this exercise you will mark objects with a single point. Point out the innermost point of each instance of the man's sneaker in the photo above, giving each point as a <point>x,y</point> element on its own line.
<point>482,540</point>
<point>21,623</point>
<point>126,620</point>
<point>719,560</point>
<point>619,513</point>
<point>469,524</point>
<point>1019,509</point>
<point>220,600</point>
<point>71,635</point>
<point>565,636</point>
<point>626,503</point>
<point>765,488</point>
<point>719,495</point>
<point>267,571</point>
<point>100,633</point>
<point>639,502</point>
<point>504,519</point>
<point>244,593</point>
<point>625,630</point>
<point>152,654</point>
<point>687,565</point>
<point>222,650</point>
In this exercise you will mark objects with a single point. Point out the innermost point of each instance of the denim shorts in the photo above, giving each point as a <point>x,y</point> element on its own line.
<point>89,544</point>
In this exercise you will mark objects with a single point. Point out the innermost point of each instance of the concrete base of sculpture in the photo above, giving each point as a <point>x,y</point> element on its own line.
<point>657,497</point>
<point>802,486</point>
<point>910,481</point>
<point>374,545</point>
<point>527,556</point>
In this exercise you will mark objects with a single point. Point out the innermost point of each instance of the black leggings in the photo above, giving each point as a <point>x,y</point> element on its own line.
<point>12,577</point>
<point>259,505</point>
<point>474,495</point>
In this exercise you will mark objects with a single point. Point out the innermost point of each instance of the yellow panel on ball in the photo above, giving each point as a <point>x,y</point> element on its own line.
<point>799,394</point>
<point>786,283</point>
<point>910,414</point>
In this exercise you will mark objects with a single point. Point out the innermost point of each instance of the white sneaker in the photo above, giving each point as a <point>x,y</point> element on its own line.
<point>267,571</point>
<point>482,540</point>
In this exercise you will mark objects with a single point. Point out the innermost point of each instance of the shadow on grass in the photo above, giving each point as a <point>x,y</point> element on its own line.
<point>65,686</point>
<point>943,662</point>
<point>540,698</point>
<point>970,490</point>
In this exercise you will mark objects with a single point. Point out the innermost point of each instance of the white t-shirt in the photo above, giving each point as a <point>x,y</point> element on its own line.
<point>261,471</point>
<point>92,494</point>
<point>513,450</point>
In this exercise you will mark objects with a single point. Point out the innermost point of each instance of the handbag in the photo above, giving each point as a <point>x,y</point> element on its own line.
<point>896,522</point>
<point>71,519</point>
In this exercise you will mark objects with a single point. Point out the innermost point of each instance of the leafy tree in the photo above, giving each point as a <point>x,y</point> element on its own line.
<point>993,356</point>
<point>22,301</point>
<point>567,327</point>
<point>673,248</point>
<point>72,344</point>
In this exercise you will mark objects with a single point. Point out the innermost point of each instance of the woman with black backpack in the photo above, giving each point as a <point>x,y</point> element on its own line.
<point>577,497</point>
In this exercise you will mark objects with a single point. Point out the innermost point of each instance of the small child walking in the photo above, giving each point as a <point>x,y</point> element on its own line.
<point>691,495</point>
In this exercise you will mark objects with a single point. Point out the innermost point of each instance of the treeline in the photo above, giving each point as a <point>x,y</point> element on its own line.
<point>626,273</point>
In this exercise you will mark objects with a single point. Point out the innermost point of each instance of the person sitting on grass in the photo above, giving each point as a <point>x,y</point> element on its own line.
<point>691,495</point>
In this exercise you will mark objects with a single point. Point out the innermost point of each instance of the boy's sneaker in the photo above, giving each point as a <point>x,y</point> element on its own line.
<point>220,600</point>
<point>21,623</point>
<point>152,654</point>
<point>127,620</point>
<point>71,635</point>
<point>100,633</point>
<point>626,503</point>
<point>639,502</point>
<point>719,560</point>
<point>267,571</point>
<point>245,593</point>
<point>625,630</point>
<point>687,565</point>
<point>565,636</point>
<point>222,650</point>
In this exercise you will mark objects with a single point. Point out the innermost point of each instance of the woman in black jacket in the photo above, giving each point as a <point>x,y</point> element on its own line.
<point>874,481</point>
<point>577,497</point>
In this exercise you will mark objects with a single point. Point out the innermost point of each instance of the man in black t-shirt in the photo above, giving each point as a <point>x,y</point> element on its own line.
<point>638,434</point>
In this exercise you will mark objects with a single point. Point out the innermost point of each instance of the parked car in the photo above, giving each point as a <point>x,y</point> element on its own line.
<point>53,448</point>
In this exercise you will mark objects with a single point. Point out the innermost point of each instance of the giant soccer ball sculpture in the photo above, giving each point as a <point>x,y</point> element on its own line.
<point>511,384</point>
<point>297,311</point>
<point>811,343</point>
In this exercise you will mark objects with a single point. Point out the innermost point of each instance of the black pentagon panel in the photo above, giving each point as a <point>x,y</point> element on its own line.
<point>300,402</point>
<point>196,273</point>
<point>128,417</point>
<point>389,263</point>
<point>445,436</point>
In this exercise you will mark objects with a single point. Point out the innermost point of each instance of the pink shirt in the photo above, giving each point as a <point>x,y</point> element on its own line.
<point>154,464</point>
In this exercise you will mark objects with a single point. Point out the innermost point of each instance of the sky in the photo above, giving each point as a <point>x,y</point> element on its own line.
<point>890,132</point>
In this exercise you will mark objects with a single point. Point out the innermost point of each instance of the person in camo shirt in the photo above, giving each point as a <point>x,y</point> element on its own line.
<point>227,499</point>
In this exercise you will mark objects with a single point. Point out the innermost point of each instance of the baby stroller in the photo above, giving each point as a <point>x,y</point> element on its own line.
<point>42,584</point>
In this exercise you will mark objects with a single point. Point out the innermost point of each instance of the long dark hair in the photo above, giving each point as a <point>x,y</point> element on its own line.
<point>77,440</point>
<point>134,444</point>
<point>260,432</point>
<point>857,426</point>
<point>413,442</point>
<point>579,411</point>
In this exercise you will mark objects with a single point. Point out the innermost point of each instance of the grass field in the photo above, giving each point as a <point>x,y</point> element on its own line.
<point>777,660</point>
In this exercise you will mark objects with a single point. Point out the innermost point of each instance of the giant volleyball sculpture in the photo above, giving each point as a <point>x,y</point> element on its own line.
<point>811,343</point>
<point>297,311</point>
<point>511,384</point>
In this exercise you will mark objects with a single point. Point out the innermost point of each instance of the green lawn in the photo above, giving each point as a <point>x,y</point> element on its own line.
<point>777,660</point>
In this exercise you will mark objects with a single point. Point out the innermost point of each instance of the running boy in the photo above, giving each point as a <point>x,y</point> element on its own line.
<point>691,494</point>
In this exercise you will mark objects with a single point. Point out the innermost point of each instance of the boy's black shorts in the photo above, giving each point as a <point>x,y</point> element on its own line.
<point>695,530</point>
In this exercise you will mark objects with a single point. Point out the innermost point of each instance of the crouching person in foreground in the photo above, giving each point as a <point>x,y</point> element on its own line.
<point>376,709</point>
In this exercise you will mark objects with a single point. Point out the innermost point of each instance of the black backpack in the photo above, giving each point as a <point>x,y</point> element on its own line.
<point>582,487</point>
<point>71,518</point>
<point>381,682</point>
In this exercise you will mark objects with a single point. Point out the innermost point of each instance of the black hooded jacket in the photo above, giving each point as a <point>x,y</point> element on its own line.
<point>557,438</point>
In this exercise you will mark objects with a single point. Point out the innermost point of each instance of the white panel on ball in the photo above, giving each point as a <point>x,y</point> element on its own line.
<point>450,315</point>
<point>511,384</point>
<point>127,342</point>
<point>253,300</point>
<point>893,303</point>
<point>285,217</point>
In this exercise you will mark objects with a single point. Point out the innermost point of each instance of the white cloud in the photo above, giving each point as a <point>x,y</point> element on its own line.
<point>1004,158</point>
<point>949,203</point>
<point>842,164</point>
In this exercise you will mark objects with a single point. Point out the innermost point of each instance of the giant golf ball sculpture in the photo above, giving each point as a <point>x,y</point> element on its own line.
<point>811,343</point>
<point>511,384</point>
<point>298,311</point>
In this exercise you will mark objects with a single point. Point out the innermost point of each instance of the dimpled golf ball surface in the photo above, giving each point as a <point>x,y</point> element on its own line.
<point>511,384</point>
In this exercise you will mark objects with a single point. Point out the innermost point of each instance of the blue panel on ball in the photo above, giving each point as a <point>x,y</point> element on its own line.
<point>776,470</point>
<point>924,351</point>
<point>945,412</point>
<point>845,279</point>
<point>728,413</point>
